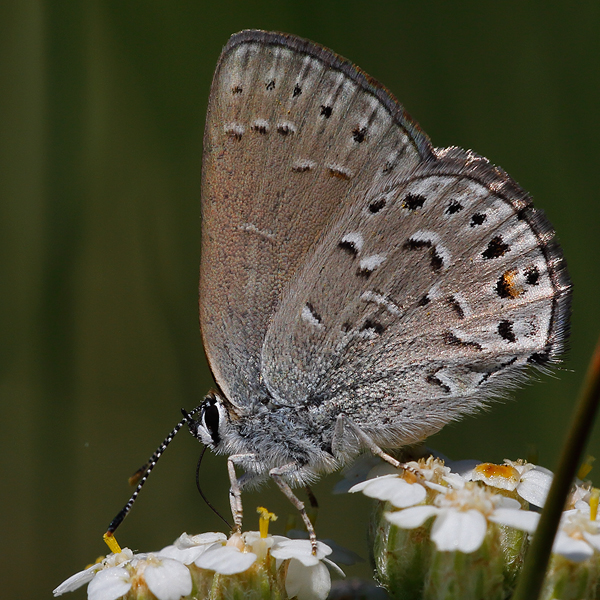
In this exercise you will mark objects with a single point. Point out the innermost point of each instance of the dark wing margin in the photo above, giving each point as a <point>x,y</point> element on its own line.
<point>353,72</point>
<point>480,168</point>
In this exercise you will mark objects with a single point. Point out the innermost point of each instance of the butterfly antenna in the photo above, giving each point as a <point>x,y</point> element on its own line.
<point>202,493</point>
<point>141,475</point>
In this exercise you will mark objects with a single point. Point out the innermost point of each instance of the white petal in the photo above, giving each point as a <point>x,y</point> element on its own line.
<point>359,487</point>
<point>408,494</point>
<point>185,556</point>
<point>168,580</point>
<point>583,506</point>
<point>394,489</point>
<point>226,560</point>
<point>593,539</point>
<point>436,487</point>
<point>307,583</point>
<point>572,549</point>
<point>535,485</point>
<point>505,502</point>
<point>459,530</point>
<point>208,538</point>
<point>455,480</point>
<point>300,550</point>
<point>333,567</point>
<point>412,517</point>
<point>109,584</point>
<point>76,581</point>
<point>524,520</point>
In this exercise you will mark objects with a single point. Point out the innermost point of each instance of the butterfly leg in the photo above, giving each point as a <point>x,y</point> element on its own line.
<point>344,425</point>
<point>277,474</point>
<point>314,505</point>
<point>235,491</point>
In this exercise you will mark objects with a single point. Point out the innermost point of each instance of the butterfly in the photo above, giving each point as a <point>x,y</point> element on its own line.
<point>359,288</point>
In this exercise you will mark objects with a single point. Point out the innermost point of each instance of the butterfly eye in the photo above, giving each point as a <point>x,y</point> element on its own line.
<point>210,417</point>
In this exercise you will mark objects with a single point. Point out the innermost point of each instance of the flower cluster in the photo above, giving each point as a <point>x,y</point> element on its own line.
<point>213,567</point>
<point>460,530</point>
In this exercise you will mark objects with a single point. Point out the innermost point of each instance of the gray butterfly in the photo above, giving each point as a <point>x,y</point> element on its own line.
<point>359,289</point>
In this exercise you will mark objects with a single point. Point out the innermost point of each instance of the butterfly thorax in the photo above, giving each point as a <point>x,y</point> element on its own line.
<point>271,436</point>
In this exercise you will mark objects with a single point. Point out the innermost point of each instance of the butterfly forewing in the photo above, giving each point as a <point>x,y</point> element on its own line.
<point>294,134</point>
<point>426,297</point>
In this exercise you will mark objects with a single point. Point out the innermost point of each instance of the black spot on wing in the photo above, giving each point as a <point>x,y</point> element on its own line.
<point>496,248</point>
<point>302,168</point>
<point>454,207</point>
<point>358,134</point>
<point>437,262</point>
<point>532,275</point>
<point>260,128</point>
<point>478,219</point>
<point>326,111</point>
<point>413,201</point>
<point>284,129</point>
<point>453,340</point>
<point>377,205</point>
<point>373,325</point>
<point>297,91</point>
<point>424,301</point>
<point>505,330</point>
<point>349,246</point>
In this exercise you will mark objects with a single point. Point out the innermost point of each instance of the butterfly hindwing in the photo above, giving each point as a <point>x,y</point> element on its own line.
<point>427,297</point>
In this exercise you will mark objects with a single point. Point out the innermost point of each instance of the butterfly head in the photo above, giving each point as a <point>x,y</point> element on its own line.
<point>213,421</point>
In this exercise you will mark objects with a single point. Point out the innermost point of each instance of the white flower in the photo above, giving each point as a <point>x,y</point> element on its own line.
<point>408,487</point>
<point>462,517</point>
<point>307,577</point>
<point>166,578</point>
<point>392,488</point>
<point>227,559</point>
<point>76,581</point>
<point>260,545</point>
<point>578,536</point>
<point>110,584</point>
<point>580,496</point>
<point>188,548</point>
<point>530,481</point>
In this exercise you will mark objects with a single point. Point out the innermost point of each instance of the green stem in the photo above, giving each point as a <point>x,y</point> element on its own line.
<point>534,569</point>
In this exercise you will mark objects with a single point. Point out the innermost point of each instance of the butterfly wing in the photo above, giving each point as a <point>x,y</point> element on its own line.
<point>293,133</point>
<point>430,295</point>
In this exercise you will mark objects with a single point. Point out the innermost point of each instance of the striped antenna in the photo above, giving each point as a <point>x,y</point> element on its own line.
<point>142,474</point>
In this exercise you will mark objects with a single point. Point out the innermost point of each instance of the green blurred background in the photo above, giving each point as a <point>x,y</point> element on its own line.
<point>102,112</point>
